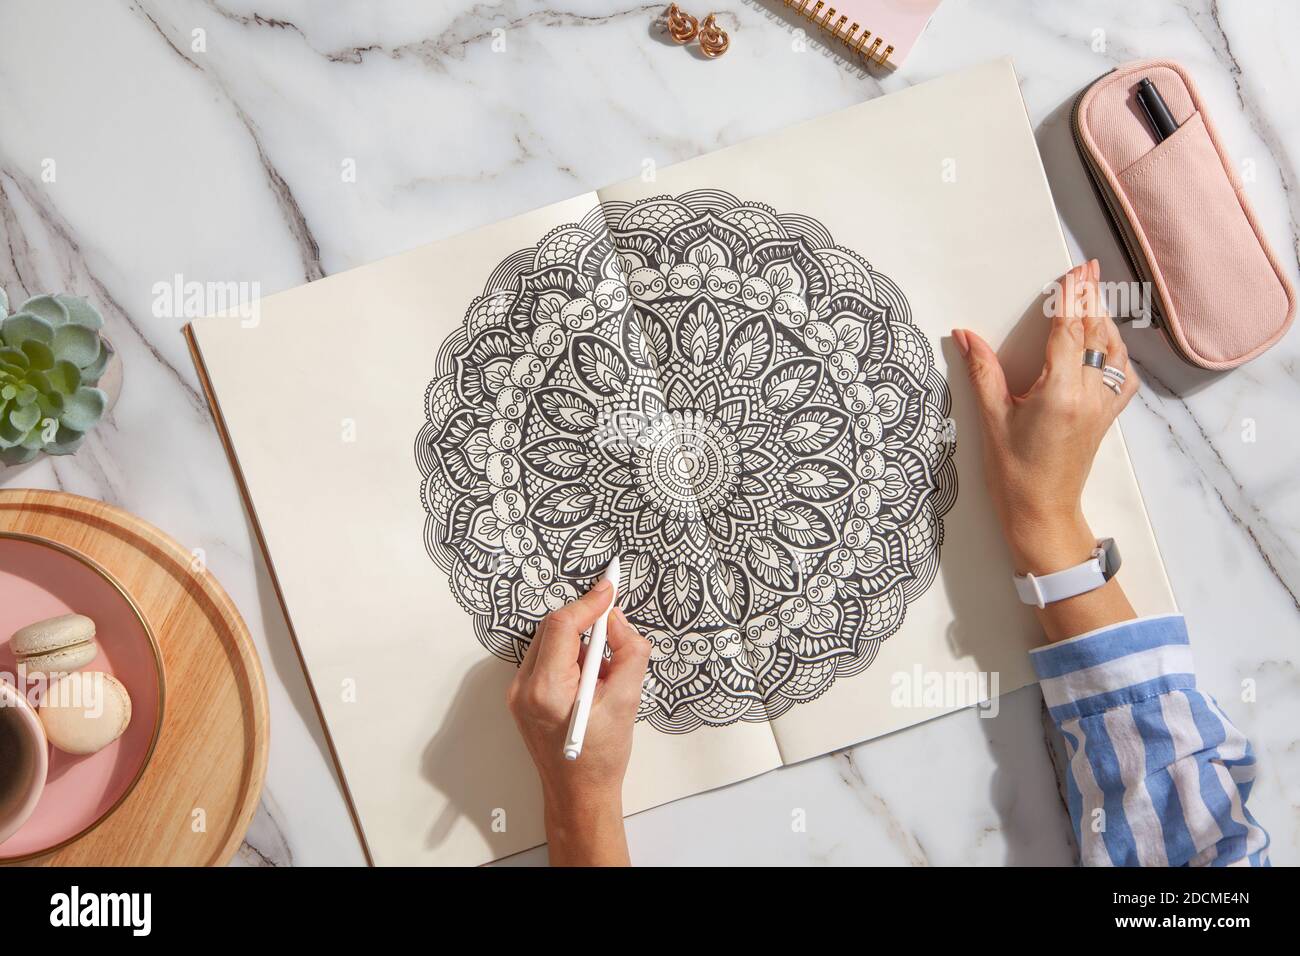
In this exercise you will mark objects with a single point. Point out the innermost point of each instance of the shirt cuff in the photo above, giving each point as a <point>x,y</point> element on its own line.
<point>1115,665</point>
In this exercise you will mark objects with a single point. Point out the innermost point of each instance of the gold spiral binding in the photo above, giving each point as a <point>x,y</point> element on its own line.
<point>818,13</point>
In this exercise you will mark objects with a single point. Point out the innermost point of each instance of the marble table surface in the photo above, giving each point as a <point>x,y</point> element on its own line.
<point>142,141</point>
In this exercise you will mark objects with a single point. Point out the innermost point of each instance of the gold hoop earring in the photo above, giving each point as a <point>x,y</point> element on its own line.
<point>714,40</point>
<point>682,27</point>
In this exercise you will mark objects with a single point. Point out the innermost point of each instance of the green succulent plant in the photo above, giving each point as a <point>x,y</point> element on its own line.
<point>51,357</point>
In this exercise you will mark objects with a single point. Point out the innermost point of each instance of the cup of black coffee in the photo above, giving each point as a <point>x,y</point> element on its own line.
<point>24,759</point>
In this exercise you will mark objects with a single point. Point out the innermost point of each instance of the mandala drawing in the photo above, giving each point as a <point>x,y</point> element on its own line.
<point>738,408</point>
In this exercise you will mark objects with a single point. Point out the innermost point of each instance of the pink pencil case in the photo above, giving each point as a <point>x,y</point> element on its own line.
<point>1219,294</point>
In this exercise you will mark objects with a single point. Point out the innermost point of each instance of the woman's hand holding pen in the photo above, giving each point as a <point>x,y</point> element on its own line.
<point>583,797</point>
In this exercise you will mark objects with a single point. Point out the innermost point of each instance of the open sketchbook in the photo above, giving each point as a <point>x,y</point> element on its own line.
<point>738,378</point>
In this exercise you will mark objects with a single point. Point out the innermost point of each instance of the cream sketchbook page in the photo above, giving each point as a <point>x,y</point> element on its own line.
<point>736,377</point>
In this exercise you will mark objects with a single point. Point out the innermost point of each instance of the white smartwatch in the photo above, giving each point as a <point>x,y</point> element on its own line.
<point>1041,590</point>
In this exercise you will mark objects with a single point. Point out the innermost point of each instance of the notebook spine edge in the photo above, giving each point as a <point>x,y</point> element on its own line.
<point>853,35</point>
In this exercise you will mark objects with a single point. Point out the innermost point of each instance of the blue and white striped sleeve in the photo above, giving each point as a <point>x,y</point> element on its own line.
<point>1157,774</point>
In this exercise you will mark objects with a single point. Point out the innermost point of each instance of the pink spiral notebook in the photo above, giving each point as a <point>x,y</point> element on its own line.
<point>882,32</point>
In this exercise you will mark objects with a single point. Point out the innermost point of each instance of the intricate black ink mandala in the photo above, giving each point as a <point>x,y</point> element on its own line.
<point>737,407</point>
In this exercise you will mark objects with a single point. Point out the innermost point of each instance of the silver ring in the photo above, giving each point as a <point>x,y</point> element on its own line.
<point>1111,384</point>
<point>1111,371</point>
<point>1094,359</point>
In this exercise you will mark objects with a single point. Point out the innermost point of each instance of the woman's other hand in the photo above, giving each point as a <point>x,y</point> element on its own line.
<point>1039,446</point>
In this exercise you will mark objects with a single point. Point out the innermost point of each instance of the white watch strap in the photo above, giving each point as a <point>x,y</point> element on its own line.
<point>1042,590</point>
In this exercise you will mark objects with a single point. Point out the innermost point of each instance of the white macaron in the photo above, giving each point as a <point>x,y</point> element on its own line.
<point>85,712</point>
<point>56,645</point>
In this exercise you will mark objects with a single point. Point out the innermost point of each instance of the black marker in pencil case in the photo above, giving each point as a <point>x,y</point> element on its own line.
<point>1158,115</point>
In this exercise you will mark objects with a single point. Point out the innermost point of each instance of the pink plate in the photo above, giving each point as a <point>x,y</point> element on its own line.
<point>40,579</point>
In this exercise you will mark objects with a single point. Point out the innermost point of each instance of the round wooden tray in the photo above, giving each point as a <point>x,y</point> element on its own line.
<point>196,798</point>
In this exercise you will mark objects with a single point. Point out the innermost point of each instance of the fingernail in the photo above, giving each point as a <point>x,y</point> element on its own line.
<point>602,585</point>
<point>963,343</point>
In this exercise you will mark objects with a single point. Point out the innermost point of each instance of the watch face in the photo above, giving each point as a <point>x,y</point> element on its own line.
<point>1110,559</point>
